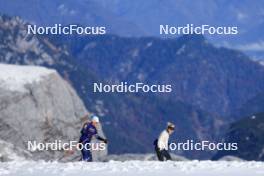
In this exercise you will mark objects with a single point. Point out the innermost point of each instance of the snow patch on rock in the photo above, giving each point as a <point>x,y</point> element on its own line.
<point>14,78</point>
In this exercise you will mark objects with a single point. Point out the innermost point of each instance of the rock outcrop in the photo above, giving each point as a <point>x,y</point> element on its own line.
<point>36,104</point>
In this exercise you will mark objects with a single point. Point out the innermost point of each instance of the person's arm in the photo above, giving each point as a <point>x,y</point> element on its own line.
<point>96,135</point>
<point>101,139</point>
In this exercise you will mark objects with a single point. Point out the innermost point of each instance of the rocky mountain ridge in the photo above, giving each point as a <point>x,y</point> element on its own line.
<point>209,83</point>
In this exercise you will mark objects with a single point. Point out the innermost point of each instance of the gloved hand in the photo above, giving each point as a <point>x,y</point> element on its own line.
<point>105,141</point>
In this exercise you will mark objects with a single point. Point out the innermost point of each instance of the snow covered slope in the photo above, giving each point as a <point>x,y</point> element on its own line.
<point>141,157</point>
<point>131,168</point>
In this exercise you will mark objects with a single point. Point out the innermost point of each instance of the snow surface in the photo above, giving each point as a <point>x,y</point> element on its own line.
<point>132,168</point>
<point>14,77</point>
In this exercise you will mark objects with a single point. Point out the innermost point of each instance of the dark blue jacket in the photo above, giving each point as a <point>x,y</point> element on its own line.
<point>87,132</point>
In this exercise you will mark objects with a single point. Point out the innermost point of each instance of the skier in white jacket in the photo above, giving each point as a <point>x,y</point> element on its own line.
<point>161,144</point>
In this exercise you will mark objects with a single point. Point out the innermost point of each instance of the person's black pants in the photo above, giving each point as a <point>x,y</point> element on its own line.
<point>86,155</point>
<point>162,155</point>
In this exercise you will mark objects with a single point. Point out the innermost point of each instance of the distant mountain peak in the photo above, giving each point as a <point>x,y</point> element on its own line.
<point>193,38</point>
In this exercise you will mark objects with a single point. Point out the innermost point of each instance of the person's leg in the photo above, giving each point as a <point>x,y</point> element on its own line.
<point>86,155</point>
<point>159,154</point>
<point>90,156</point>
<point>166,154</point>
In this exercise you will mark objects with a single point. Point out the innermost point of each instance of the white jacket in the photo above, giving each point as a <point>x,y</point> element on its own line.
<point>163,140</point>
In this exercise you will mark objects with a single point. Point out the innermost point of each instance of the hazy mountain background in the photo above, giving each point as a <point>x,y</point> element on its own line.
<point>142,18</point>
<point>248,133</point>
<point>212,86</point>
<point>84,12</point>
<point>209,83</point>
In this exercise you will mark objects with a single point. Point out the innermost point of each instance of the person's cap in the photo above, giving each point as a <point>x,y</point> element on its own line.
<point>170,126</point>
<point>95,118</point>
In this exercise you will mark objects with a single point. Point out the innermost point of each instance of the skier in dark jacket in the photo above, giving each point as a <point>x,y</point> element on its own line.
<point>162,143</point>
<point>89,131</point>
